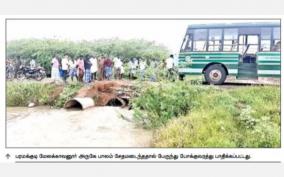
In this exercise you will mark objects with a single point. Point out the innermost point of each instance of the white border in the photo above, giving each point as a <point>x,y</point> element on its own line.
<point>258,155</point>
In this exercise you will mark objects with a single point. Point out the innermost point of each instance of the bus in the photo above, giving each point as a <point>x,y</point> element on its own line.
<point>242,50</point>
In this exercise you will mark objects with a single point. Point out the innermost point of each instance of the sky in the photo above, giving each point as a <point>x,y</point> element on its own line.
<point>167,32</point>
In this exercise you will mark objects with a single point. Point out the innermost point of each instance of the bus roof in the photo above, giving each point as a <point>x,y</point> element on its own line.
<point>234,25</point>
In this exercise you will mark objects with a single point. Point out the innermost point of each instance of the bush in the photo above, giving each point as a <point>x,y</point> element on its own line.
<point>246,117</point>
<point>21,94</point>
<point>159,103</point>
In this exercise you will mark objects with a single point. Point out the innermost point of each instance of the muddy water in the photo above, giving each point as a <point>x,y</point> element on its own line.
<point>94,127</point>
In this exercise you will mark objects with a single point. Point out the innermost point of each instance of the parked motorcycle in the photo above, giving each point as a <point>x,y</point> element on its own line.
<point>25,72</point>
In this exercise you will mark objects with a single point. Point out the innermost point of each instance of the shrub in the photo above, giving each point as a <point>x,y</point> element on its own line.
<point>21,94</point>
<point>68,92</point>
<point>159,103</point>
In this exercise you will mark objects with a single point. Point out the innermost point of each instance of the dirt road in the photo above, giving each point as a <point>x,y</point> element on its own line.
<point>94,127</point>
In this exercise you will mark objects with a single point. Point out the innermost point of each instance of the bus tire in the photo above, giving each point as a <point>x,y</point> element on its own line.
<point>215,74</point>
<point>181,77</point>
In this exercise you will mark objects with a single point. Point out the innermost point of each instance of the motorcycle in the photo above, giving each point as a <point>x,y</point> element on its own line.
<point>25,72</point>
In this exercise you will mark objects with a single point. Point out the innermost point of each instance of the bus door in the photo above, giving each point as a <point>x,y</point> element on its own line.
<point>248,47</point>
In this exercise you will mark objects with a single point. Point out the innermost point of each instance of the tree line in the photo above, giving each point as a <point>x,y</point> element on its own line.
<point>43,50</point>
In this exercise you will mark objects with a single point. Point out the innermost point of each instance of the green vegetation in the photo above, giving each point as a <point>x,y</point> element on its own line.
<point>159,103</point>
<point>68,92</point>
<point>43,50</point>
<point>23,93</point>
<point>187,115</point>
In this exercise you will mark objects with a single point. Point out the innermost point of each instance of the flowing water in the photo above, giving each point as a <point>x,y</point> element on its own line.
<point>94,127</point>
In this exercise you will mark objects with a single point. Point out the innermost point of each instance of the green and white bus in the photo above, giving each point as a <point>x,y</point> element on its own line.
<point>244,50</point>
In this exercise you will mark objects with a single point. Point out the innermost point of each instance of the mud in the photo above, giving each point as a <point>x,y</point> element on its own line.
<point>94,127</point>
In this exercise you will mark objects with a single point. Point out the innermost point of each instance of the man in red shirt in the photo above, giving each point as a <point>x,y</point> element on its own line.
<point>108,68</point>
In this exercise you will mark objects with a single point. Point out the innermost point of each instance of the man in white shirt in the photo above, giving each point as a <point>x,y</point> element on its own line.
<point>117,67</point>
<point>133,67</point>
<point>94,68</point>
<point>142,66</point>
<point>170,62</point>
<point>65,65</point>
<point>32,64</point>
<point>170,65</point>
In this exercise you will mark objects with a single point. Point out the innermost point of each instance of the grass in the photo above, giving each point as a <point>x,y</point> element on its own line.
<point>23,93</point>
<point>189,115</point>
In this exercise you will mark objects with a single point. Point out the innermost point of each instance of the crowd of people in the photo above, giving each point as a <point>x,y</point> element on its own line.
<point>90,68</point>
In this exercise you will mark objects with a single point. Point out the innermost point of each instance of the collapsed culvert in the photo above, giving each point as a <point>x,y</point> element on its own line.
<point>117,102</point>
<point>79,103</point>
<point>102,93</point>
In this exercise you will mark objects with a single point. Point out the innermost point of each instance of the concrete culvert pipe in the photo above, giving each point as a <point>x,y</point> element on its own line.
<point>79,103</point>
<point>116,102</point>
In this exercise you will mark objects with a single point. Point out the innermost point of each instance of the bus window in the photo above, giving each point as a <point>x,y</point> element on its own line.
<point>242,43</point>
<point>187,43</point>
<point>200,40</point>
<point>276,40</point>
<point>265,45</point>
<point>248,43</point>
<point>230,40</point>
<point>265,42</point>
<point>215,40</point>
<point>252,41</point>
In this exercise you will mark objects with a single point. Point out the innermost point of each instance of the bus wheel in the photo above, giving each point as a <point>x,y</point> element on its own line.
<point>215,74</point>
<point>181,77</point>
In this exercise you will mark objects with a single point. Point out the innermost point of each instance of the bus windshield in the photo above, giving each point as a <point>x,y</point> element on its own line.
<point>187,43</point>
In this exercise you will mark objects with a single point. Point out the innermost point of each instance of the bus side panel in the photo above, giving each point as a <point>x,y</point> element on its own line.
<point>269,64</point>
<point>193,63</point>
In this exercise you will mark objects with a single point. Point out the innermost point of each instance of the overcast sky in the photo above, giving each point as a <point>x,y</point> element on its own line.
<point>167,32</point>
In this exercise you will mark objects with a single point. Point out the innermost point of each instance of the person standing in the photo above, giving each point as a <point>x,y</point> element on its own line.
<point>18,64</point>
<point>32,64</point>
<point>108,68</point>
<point>132,68</point>
<point>55,68</point>
<point>121,72</point>
<point>94,68</point>
<point>170,66</point>
<point>101,68</point>
<point>87,66</point>
<point>117,68</point>
<point>72,67</point>
<point>64,68</point>
<point>80,69</point>
<point>142,67</point>
<point>60,68</point>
